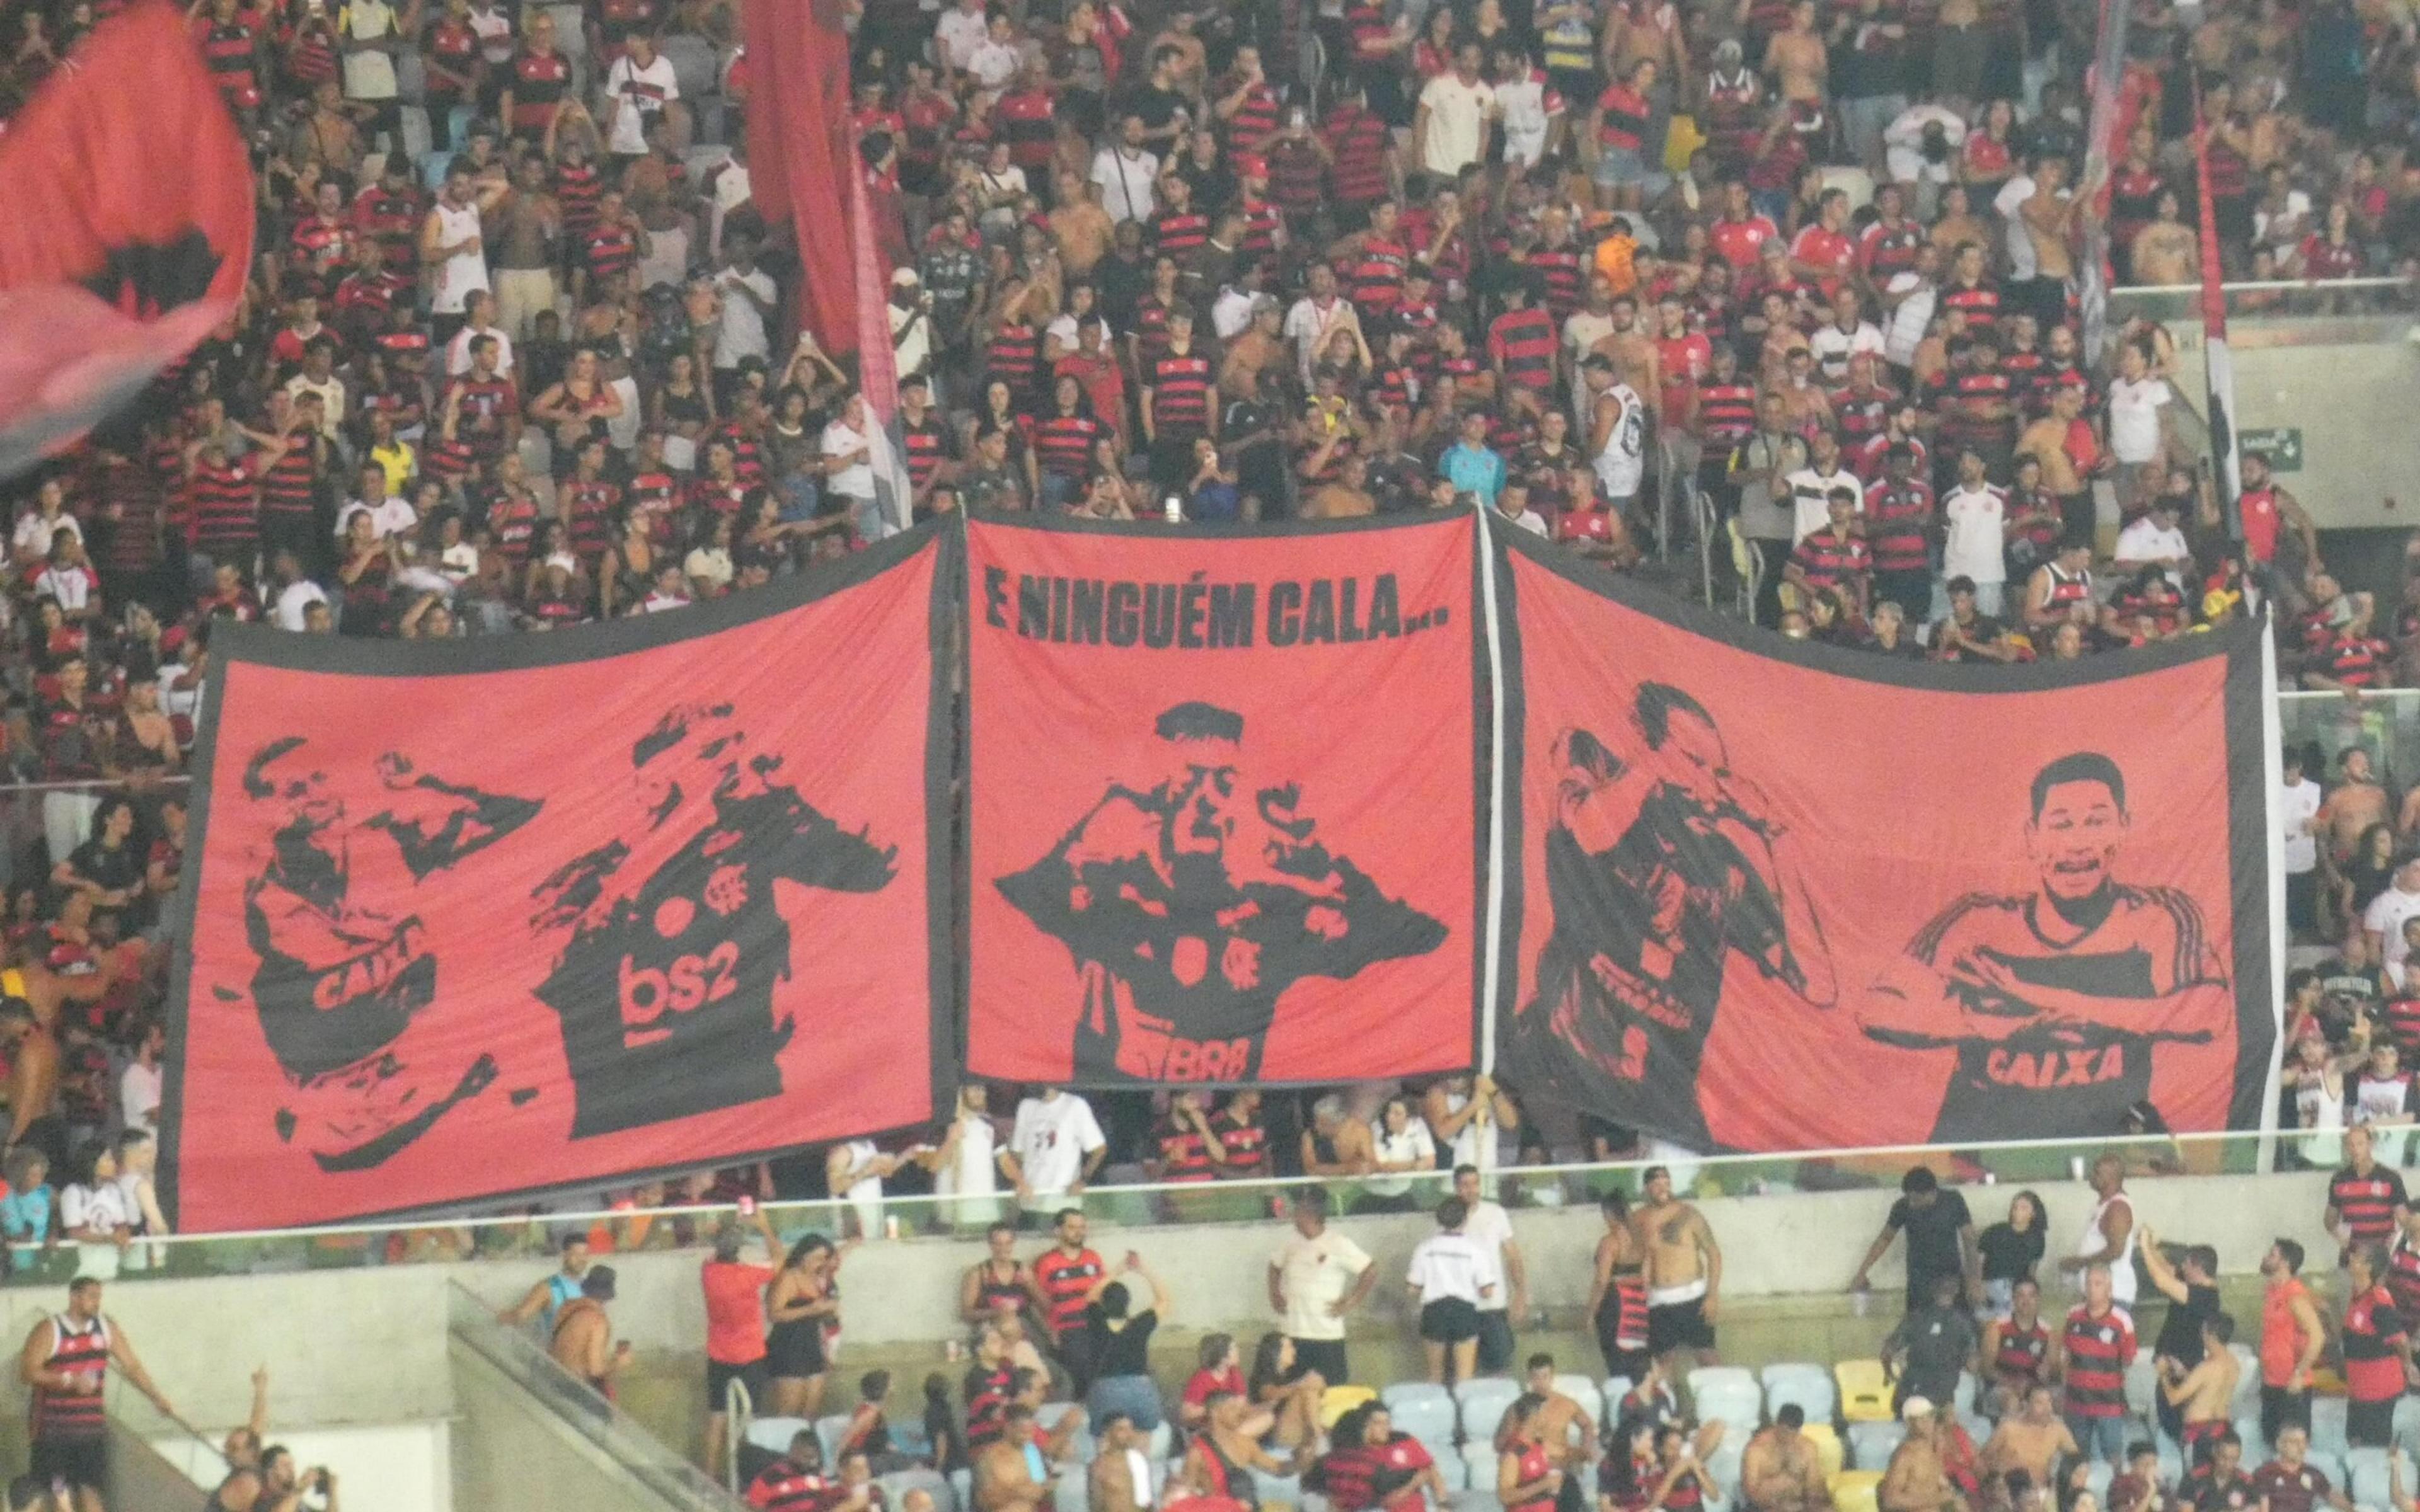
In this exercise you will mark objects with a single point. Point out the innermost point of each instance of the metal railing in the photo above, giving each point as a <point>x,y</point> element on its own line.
<point>1138,1204</point>
<point>2271,298</point>
<point>636,1452</point>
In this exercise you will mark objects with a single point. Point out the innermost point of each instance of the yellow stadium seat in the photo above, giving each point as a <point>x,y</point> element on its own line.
<point>1865,1392</point>
<point>1856,1491</point>
<point>1829,1453</point>
<point>1338,1400</point>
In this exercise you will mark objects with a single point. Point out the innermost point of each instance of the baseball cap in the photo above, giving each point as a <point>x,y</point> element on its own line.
<point>901,277</point>
<point>1916,1407</point>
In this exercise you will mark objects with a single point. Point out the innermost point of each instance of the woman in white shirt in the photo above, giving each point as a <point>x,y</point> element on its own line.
<point>1451,1276</point>
<point>1403,1145</point>
<point>709,566</point>
<point>93,1211</point>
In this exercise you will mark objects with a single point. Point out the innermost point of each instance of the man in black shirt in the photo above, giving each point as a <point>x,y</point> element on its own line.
<point>2219,1482</point>
<point>2192,1300</point>
<point>1940,1241</point>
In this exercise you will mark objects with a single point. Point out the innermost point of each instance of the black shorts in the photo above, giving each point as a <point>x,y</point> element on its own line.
<point>2370,1425</point>
<point>72,1462</point>
<point>1326,1356</point>
<point>1495,1339</point>
<point>1448,1320</point>
<point>718,1378</point>
<point>1679,1325</point>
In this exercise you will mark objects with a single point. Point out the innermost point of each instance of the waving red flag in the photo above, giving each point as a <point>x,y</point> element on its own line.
<point>126,227</point>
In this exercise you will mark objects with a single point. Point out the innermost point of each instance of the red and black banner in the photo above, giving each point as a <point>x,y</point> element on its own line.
<point>1223,802</point>
<point>127,228</point>
<point>1780,896</point>
<point>530,912</point>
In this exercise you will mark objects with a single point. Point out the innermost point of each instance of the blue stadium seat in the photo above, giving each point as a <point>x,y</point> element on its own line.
<point>2247,1384</point>
<point>1423,1409</point>
<point>962,1488</point>
<point>1283,1490</point>
<point>1808,1385</point>
<point>2328,1425</point>
<point>2256,1449</point>
<point>1729,1394</point>
<point>1450,1467</point>
<point>2367,1479</point>
<point>1482,1400</point>
<point>1871,1443</point>
<point>1071,1490</point>
<point>2407,1428</point>
<point>896,1486</point>
<point>1616,1388</point>
<point>1585,1392</point>
<point>2142,1386</point>
<point>1479,1477</point>
<point>774,1433</point>
<point>2329,1465</point>
<point>2097,1481</point>
<point>832,1428</point>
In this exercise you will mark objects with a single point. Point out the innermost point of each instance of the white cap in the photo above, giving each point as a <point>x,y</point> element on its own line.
<point>1916,1407</point>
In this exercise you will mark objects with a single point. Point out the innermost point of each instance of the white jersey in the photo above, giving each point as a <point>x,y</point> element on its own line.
<point>465,273</point>
<point>1621,462</point>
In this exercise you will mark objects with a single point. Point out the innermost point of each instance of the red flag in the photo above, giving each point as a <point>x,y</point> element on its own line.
<point>2217,363</point>
<point>801,156</point>
<point>878,371</point>
<point>125,230</point>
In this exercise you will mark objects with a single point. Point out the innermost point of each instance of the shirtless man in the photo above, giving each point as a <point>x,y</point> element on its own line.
<point>2355,803</point>
<point>1633,351</point>
<point>1220,1460</point>
<point>1779,1471</point>
<point>1560,1424</point>
<point>1915,1481</point>
<point>1081,227</point>
<point>2032,1440</point>
<point>1120,1479</point>
<point>583,1335</point>
<point>1010,1473</point>
<point>2204,1393</point>
<point>1796,59</point>
<point>1337,1142</point>
<point>1684,1270</point>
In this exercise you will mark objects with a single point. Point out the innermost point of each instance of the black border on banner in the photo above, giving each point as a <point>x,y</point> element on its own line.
<point>288,651</point>
<point>1078,525</point>
<point>2244,719</point>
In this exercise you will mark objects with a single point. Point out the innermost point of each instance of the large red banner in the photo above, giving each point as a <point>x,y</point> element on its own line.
<point>1780,896</point>
<point>528,912</point>
<point>1222,802</point>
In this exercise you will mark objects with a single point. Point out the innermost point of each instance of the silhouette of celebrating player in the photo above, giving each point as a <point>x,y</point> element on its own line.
<point>1192,903</point>
<point>1661,863</point>
<point>2054,999</point>
<point>344,968</point>
<point>665,986</point>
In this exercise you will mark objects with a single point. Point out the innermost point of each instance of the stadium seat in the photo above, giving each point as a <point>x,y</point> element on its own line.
<point>1424,1411</point>
<point>1479,1470</point>
<point>908,1436</point>
<point>1727,1394</point>
<point>1871,1443</point>
<point>896,1486</point>
<point>1071,1490</point>
<point>1283,1490</point>
<point>1483,1401</point>
<point>2097,1478</point>
<point>774,1433</point>
<point>832,1428</point>
<point>962,1488</point>
<point>1163,1443</point>
<point>2247,1382</point>
<point>2366,1477</point>
<point>1829,1452</point>
<point>1865,1392</point>
<point>2329,1465</point>
<point>2407,1428</point>
<point>2172,1463</point>
<point>1616,1388</point>
<point>1808,1385</point>
<point>1585,1392</point>
<point>1338,1400</point>
<point>2328,1425</point>
<point>2256,1449</point>
<point>1854,1490</point>
<point>1450,1467</point>
<point>1724,1463</point>
<point>2142,1386</point>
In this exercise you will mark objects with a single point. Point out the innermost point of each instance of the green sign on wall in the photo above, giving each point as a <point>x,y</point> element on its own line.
<point>2282,446</point>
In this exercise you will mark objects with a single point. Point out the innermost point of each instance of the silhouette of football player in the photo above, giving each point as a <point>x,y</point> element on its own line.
<point>665,986</point>
<point>344,968</point>
<point>1191,904</point>
<point>1661,864</point>
<point>2054,998</point>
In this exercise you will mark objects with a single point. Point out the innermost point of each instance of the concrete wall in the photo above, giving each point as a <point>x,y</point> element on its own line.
<point>2347,384</point>
<point>897,1291</point>
<point>510,1451</point>
<point>387,1467</point>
